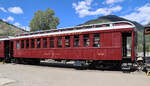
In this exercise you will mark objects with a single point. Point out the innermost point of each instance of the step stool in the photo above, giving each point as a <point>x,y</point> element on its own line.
<point>1,62</point>
<point>148,73</point>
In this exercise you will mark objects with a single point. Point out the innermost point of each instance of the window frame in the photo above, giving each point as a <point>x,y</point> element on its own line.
<point>27,43</point>
<point>17,44</point>
<point>38,42</point>
<point>51,42</point>
<point>67,41</point>
<point>94,40</point>
<point>45,42</point>
<point>59,42</point>
<point>76,41</point>
<point>22,44</point>
<point>32,43</point>
<point>86,40</point>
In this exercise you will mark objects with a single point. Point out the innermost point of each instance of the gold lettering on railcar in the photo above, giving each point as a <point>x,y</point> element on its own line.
<point>47,54</point>
<point>100,54</point>
<point>57,54</point>
<point>51,54</point>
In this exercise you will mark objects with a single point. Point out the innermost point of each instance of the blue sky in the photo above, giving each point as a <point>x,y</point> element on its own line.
<point>73,12</point>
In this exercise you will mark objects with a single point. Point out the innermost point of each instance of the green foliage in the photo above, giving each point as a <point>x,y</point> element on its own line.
<point>140,41</point>
<point>8,34</point>
<point>148,47</point>
<point>44,20</point>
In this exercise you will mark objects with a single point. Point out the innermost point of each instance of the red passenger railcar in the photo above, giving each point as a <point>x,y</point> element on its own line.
<point>4,48</point>
<point>1,50</point>
<point>93,44</point>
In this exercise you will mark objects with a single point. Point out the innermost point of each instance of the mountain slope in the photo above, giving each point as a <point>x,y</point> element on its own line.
<point>7,29</point>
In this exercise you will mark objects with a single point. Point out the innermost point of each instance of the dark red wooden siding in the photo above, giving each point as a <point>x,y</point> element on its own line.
<point>110,42</point>
<point>1,49</point>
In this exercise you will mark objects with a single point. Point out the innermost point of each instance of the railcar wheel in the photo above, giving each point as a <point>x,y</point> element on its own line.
<point>33,61</point>
<point>18,61</point>
<point>36,62</point>
<point>1,60</point>
<point>91,66</point>
<point>7,60</point>
<point>140,66</point>
<point>80,65</point>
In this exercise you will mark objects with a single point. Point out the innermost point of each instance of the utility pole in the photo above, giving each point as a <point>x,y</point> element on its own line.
<point>144,43</point>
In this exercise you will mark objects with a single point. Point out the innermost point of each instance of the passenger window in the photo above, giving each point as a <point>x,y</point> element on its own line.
<point>18,45</point>
<point>32,43</point>
<point>67,41</point>
<point>86,41</point>
<point>22,43</point>
<point>96,40</point>
<point>59,42</point>
<point>27,43</point>
<point>39,43</point>
<point>44,42</point>
<point>76,41</point>
<point>52,42</point>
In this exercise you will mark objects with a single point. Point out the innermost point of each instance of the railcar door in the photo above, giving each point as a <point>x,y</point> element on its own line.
<point>126,46</point>
<point>11,49</point>
<point>6,49</point>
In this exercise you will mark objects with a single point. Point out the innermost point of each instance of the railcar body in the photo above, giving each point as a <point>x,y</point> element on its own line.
<point>93,44</point>
<point>100,42</point>
<point>1,50</point>
<point>5,48</point>
<point>109,44</point>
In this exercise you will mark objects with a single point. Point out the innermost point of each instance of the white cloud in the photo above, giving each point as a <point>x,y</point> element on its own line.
<point>113,1</point>
<point>10,19</point>
<point>20,26</point>
<point>4,20</point>
<point>3,9</point>
<point>25,28</point>
<point>15,10</point>
<point>142,14</point>
<point>17,24</point>
<point>83,9</point>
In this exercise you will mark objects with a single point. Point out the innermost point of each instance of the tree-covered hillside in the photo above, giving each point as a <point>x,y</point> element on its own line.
<point>7,29</point>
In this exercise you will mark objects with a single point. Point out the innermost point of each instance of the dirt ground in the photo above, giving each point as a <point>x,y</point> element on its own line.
<point>66,75</point>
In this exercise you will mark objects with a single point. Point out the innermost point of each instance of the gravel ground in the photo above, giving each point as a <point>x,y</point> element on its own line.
<point>66,75</point>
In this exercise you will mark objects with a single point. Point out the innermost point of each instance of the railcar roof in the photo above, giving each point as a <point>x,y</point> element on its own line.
<point>6,38</point>
<point>76,29</point>
<point>138,26</point>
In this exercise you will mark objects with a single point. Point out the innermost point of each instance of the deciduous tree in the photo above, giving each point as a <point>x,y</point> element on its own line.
<point>44,20</point>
